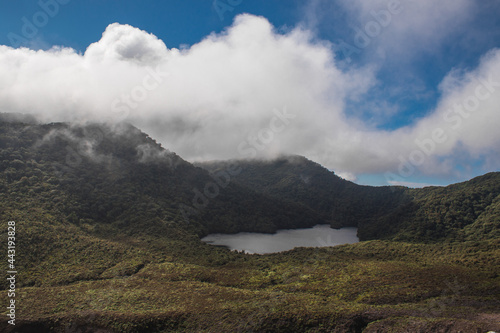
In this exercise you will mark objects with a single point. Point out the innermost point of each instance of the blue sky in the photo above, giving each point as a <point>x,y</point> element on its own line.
<point>176,22</point>
<point>374,77</point>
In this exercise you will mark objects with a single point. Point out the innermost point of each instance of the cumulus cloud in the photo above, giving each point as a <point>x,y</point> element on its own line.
<point>246,92</point>
<point>411,44</point>
<point>124,42</point>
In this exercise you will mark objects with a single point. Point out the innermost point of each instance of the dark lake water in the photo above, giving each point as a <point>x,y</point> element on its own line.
<point>284,240</point>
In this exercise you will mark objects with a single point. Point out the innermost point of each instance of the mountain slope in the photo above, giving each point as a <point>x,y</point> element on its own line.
<point>97,175</point>
<point>91,189</point>
<point>451,212</point>
<point>299,180</point>
<point>428,214</point>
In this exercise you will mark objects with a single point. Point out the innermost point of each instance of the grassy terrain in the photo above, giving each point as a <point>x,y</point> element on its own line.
<point>345,288</point>
<point>118,283</point>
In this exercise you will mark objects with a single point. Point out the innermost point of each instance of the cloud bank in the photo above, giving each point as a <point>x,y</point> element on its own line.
<point>251,91</point>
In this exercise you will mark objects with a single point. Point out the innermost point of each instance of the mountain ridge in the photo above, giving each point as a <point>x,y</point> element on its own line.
<point>117,167</point>
<point>343,203</point>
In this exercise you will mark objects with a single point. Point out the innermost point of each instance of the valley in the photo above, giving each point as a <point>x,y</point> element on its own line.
<point>109,239</point>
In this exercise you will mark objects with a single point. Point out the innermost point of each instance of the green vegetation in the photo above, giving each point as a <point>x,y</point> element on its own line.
<point>458,212</point>
<point>102,243</point>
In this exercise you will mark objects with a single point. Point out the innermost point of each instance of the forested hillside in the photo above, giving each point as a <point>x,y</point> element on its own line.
<point>456,212</point>
<point>98,175</point>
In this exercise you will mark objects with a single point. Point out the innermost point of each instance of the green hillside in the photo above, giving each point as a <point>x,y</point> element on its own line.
<point>456,212</point>
<point>296,179</point>
<point>98,175</point>
<point>107,241</point>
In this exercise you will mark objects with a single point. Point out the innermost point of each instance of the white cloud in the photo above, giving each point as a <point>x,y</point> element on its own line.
<point>223,93</point>
<point>407,27</point>
<point>124,42</point>
<point>348,176</point>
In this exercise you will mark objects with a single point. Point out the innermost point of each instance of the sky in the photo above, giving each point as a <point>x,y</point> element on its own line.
<point>382,92</point>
